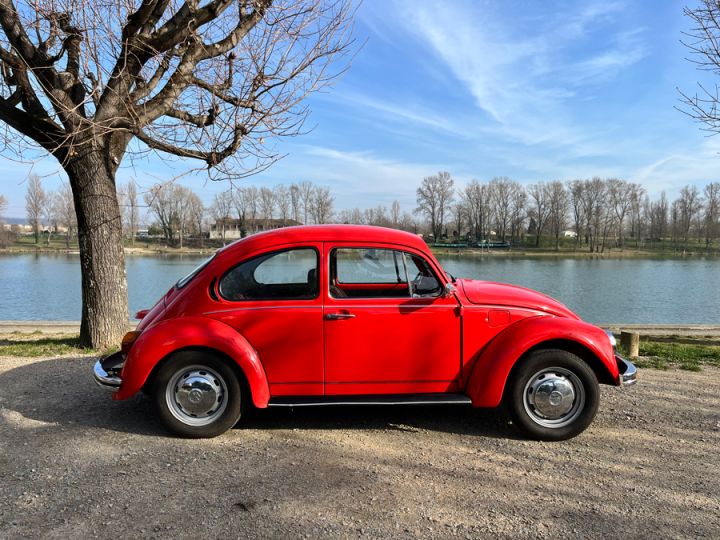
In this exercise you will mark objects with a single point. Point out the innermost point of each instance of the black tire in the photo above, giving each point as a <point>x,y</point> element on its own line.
<point>207,379</point>
<point>560,380</point>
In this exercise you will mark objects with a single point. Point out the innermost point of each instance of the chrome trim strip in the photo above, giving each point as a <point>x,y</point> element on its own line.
<point>102,378</point>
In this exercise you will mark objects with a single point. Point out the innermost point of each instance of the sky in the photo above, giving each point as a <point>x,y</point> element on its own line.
<point>536,91</point>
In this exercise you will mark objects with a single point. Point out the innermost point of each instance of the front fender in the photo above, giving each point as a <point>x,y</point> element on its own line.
<point>171,335</point>
<point>492,367</point>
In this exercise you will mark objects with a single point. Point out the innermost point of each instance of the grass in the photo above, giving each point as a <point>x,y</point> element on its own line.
<point>38,345</point>
<point>686,353</point>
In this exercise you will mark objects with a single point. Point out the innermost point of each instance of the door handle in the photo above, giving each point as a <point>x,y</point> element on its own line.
<point>339,316</point>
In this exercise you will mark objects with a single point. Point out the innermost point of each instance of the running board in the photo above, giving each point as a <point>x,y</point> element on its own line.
<point>402,399</point>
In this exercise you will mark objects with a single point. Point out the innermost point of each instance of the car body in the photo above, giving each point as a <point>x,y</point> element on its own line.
<point>345,314</point>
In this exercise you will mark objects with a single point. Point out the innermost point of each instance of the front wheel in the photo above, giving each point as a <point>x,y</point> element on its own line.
<point>553,395</point>
<point>197,395</point>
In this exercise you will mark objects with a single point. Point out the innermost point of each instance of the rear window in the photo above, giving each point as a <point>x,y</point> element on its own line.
<point>187,279</point>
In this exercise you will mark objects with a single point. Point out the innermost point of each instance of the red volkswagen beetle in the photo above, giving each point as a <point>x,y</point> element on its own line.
<point>343,314</point>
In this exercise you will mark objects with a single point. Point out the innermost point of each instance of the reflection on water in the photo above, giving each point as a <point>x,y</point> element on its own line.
<point>47,286</point>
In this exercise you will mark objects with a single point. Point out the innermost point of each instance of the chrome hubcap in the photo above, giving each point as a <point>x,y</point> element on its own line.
<point>196,395</point>
<point>554,397</point>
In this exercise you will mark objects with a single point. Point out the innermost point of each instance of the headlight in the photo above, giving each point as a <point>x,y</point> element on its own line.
<point>612,339</point>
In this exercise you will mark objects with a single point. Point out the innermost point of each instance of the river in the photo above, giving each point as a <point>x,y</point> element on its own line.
<point>47,286</point>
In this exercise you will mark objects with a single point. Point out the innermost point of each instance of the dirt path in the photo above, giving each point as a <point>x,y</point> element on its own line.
<point>75,464</point>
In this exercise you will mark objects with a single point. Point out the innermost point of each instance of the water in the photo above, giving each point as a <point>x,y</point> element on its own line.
<point>47,286</point>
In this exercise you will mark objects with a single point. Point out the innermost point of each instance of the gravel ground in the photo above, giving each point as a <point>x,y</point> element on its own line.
<point>73,463</point>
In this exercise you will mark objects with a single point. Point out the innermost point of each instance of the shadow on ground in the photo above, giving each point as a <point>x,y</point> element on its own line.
<point>62,392</point>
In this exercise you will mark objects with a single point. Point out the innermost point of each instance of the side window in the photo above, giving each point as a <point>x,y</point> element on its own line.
<point>380,273</point>
<point>282,275</point>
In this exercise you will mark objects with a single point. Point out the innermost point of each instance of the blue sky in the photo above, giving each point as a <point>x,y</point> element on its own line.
<point>530,90</point>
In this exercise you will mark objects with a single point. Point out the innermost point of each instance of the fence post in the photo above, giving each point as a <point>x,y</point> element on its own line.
<point>630,343</point>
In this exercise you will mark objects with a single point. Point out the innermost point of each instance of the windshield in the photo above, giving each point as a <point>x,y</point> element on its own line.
<point>187,279</point>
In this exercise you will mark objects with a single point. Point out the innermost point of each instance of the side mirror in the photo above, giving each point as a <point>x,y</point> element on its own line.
<point>448,290</point>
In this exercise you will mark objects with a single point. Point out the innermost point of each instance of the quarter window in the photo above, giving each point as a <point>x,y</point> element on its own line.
<point>281,275</point>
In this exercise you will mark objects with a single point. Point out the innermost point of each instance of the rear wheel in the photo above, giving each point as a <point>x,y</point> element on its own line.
<point>553,395</point>
<point>198,395</point>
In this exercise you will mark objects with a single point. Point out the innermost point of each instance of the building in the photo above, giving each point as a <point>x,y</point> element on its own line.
<point>234,228</point>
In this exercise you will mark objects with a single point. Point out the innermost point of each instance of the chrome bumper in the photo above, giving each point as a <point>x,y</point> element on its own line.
<point>107,371</point>
<point>627,372</point>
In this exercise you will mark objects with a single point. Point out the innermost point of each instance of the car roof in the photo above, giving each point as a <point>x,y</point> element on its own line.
<point>328,233</point>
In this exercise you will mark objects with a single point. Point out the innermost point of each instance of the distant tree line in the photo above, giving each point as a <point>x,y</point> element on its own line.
<point>592,214</point>
<point>596,213</point>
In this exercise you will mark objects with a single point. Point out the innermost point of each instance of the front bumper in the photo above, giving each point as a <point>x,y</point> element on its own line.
<point>107,371</point>
<point>627,372</point>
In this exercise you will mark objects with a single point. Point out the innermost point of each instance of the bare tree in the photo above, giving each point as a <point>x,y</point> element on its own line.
<point>220,210</point>
<point>434,197</point>
<point>475,197</point>
<point>577,200</point>
<point>241,202</point>
<point>703,42</point>
<point>395,213</point>
<point>132,210</point>
<point>3,207</point>
<point>160,201</point>
<point>321,205</point>
<point>207,81</point>
<point>557,210</point>
<point>712,212</point>
<point>49,215</point>
<point>295,202</point>
<point>540,199</point>
<point>267,205</point>
<point>35,203</point>
<point>688,207</point>
<point>196,212</point>
<point>501,192</point>
<point>282,201</point>
<point>306,191</point>
<point>65,211</point>
<point>518,214</point>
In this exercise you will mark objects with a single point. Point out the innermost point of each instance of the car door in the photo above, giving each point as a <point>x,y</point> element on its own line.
<point>382,334</point>
<point>272,298</point>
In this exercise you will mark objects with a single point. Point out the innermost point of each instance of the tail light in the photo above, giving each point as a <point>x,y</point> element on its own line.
<point>128,340</point>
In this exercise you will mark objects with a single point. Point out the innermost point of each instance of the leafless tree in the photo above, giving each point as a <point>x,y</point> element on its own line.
<point>577,201</point>
<point>475,197</point>
<point>703,42</point>
<point>594,194</point>
<point>35,203</point>
<point>637,196</point>
<point>395,213</point>
<point>209,81</point>
<point>220,211</point>
<point>65,211</point>
<point>688,207</point>
<point>282,201</point>
<point>241,202</point>
<point>321,205</point>
<point>712,212</point>
<point>295,202</point>
<point>267,205</point>
<point>3,207</point>
<point>619,200</point>
<point>518,214</point>
<point>501,194</point>
<point>49,215</point>
<point>434,197</point>
<point>252,198</point>
<point>196,211</point>
<point>160,201</point>
<point>557,210</point>
<point>539,207</point>
<point>131,210</point>
<point>306,191</point>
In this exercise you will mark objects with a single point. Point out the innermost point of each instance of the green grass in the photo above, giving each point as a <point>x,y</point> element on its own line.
<point>37,345</point>
<point>688,354</point>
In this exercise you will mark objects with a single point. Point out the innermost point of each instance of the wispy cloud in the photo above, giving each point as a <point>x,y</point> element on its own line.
<point>523,76</point>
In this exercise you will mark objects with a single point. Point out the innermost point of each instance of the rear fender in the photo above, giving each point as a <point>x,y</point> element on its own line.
<point>158,341</point>
<point>494,363</point>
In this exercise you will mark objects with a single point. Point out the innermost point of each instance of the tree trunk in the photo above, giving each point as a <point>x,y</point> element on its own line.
<point>102,259</point>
